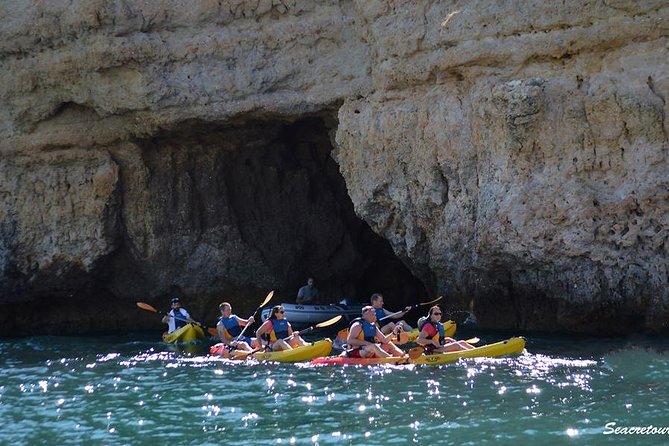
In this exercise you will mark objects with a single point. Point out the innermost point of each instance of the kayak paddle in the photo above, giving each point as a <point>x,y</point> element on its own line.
<point>400,338</point>
<point>214,332</point>
<point>327,323</point>
<point>264,302</point>
<point>411,308</point>
<point>147,307</point>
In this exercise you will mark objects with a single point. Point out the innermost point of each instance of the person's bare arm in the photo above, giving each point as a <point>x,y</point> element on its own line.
<point>353,334</point>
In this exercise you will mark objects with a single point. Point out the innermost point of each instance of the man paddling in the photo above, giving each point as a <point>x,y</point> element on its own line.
<point>432,335</point>
<point>177,317</point>
<point>229,327</point>
<point>387,327</point>
<point>366,340</point>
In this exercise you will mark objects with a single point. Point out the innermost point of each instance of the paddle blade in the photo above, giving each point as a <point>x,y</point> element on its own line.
<point>432,301</point>
<point>267,299</point>
<point>212,331</point>
<point>146,307</point>
<point>329,322</point>
<point>473,340</point>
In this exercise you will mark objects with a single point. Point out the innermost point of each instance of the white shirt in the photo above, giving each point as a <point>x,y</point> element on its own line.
<point>171,325</point>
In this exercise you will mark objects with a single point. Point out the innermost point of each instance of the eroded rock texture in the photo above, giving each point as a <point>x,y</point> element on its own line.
<point>512,154</point>
<point>520,161</point>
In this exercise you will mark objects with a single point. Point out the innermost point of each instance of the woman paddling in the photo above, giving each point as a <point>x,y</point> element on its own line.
<point>433,338</point>
<point>276,329</point>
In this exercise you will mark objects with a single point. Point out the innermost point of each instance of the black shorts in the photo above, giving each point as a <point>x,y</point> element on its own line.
<point>429,349</point>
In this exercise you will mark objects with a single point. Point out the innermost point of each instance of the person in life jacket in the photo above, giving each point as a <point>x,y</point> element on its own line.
<point>386,325</point>
<point>366,340</point>
<point>432,335</point>
<point>230,326</point>
<point>278,333</point>
<point>177,316</point>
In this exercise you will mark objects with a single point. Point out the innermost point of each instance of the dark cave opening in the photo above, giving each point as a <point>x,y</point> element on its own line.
<point>258,206</point>
<point>218,213</point>
<point>292,206</point>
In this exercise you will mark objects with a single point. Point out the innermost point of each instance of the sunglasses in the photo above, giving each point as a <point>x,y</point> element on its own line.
<point>281,311</point>
<point>436,314</point>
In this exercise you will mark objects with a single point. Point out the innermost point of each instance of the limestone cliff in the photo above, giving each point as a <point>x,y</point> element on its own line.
<point>513,155</point>
<point>518,157</point>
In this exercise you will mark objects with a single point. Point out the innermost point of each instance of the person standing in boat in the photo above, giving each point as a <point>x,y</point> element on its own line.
<point>278,333</point>
<point>177,317</point>
<point>308,294</point>
<point>432,335</point>
<point>388,327</point>
<point>230,326</point>
<point>365,339</point>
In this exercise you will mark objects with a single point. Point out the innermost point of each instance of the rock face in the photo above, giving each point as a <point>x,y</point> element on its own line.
<point>513,155</point>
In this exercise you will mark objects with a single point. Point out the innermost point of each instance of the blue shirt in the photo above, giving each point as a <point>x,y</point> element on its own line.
<point>307,293</point>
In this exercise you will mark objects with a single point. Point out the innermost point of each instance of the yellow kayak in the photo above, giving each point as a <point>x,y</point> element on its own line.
<point>187,333</point>
<point>311,351</point>
<point>509,347</point>
<point>306,353</point>
<point>343,360</point>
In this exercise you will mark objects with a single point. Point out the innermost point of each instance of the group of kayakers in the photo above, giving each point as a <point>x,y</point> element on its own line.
<point>368,336</point>
<point>368,339</point>
<point>275,333</point>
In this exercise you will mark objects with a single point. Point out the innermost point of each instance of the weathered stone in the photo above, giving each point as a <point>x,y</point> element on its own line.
<point>60,217</point>
<point>513,154</point>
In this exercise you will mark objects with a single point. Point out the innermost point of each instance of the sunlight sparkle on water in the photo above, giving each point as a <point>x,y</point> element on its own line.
<point>531,399</point>
<point>533,390</point>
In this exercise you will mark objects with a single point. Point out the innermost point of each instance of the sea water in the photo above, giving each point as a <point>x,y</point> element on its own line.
<point>125,391</point>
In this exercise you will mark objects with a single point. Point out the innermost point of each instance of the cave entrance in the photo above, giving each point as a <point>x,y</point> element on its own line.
<point>262,205</point>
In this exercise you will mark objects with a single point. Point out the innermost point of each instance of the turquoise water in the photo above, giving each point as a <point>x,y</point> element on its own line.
<point>117,391</point>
